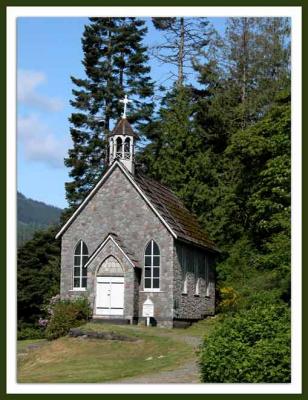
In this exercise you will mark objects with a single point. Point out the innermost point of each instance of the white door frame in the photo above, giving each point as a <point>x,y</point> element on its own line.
<point>109,295</point>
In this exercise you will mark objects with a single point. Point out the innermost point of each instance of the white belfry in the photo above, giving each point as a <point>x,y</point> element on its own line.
<point>125,101</point>
<point>122,140</point>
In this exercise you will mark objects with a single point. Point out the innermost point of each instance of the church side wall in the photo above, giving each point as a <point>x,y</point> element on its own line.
<point>117,207</point>
<point>193,264</point>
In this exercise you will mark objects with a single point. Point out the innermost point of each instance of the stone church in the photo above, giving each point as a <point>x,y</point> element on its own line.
<point>134,250</point>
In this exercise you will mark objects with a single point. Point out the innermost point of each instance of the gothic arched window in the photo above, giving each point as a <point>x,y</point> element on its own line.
<point>81,257</point>
<point>185,284</point>
<point>197,291</point>
<point>119,147</point>
<point>127,148</point>
<point>152,267</point>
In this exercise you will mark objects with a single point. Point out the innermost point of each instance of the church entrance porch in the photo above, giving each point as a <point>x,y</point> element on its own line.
<point>113,281</point>
<point>110,295</point>
<point>110,288</point>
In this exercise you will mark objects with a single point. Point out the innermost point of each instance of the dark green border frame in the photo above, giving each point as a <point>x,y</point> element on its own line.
<point>119,3</point>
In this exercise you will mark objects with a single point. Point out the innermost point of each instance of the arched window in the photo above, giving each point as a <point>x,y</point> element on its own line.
<point>119,147</point>
<point>127,148</point>
<point>197,291</point>
<point>151,267</point>
<point>185,284</point>
<point>81,257</point>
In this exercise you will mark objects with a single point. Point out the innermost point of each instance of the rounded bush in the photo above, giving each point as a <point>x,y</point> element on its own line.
<point>30,332</point>
<point>67,314</point>
<point>252,346</point>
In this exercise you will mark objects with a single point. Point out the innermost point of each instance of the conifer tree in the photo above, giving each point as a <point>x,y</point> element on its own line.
<point>38,274</point>
<point>273,61</point>
<point>185,39</point>
<point>115,63</point>
<point>257,65</point>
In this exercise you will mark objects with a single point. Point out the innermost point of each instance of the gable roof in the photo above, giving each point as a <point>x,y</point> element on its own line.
<point>107,173</point>
<point>182,224</point>
<point>117,241</point>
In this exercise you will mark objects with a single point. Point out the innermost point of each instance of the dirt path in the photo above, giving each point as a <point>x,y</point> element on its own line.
<point>187,373</point>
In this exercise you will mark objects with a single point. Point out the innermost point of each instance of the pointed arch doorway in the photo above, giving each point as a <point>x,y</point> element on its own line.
<point>110,288</point>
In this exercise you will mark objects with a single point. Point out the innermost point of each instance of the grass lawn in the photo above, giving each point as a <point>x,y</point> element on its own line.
<point>22,345</point>
<point>79,360</point>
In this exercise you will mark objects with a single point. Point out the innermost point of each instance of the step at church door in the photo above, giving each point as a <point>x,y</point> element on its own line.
<point>109,295</point>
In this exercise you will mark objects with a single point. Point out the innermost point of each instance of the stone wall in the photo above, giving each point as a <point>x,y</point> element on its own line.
<point>118,207</point>
<point>188,304</point>
<point>95,269</point>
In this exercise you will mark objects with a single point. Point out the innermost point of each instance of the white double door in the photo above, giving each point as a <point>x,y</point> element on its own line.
<point>109,295</point>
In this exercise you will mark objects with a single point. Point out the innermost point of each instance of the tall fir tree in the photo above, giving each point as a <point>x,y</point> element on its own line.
<point>199,131</point>
<point>185,40</point>
<point>240,55</point>
<point>256,61</point>
<point>115,63</point>
<point>273,66</point>
<point>38,274</point>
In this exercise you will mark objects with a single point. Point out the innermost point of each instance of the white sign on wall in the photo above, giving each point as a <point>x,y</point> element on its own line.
<point>148,308</point>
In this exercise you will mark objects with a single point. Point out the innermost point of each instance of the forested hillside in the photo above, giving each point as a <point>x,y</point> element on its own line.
<point>222,142</point>
<point>32,216</point>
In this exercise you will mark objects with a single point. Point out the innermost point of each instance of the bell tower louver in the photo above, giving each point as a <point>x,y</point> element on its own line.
<point>122,144</point>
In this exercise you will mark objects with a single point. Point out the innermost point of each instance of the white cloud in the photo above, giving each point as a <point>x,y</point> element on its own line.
<point>40,143</point>
<point>27,93</point>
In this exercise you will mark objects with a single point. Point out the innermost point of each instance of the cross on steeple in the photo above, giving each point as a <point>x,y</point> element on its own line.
<point>125,101</point>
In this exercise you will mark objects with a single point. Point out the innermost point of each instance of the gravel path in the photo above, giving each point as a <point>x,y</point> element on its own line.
<point>187,373</point>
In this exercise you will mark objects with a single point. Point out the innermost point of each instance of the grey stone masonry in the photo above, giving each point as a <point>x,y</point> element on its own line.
<point>116,224</point>
<point>195,298</point>
<point>118,207</point>
<point>95,269</point>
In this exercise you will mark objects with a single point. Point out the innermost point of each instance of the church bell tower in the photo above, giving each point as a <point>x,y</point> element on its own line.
<point>122,141</point>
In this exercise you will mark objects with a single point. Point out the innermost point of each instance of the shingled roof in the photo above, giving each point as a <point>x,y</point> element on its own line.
<point>167,206</point>
<point>173,211</point>
<point>123,127</point>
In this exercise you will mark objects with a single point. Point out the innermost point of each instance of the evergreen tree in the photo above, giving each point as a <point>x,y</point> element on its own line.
<point>257,66</point>
<point>185,40</point>
<point>115,63</point>
<point>224,147</point>
<point>38,274</point>
<point>176,138</point>
<point>273,60</point>
<point>255,204</point>
<point>240,56</point>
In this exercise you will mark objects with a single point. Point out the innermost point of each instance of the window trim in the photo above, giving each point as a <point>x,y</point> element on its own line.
<point>127,147</point>
<point>81,276</point>
<point>197,287</point>
<point>151,266</point>
<point>185,287</point>
<point>119,147</point>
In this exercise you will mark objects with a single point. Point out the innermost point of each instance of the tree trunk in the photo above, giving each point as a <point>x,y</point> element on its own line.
<point>244,70</point>
<point>244,77</point>
<point>107,101</point>
<point>181,54</point>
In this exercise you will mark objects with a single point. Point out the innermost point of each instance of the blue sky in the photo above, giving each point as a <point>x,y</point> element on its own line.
<point>48,53</point>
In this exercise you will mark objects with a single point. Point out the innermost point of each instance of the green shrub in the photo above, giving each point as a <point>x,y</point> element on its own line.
<point>228,299</point>
<point>29,332</point>
<point>252,346</point>
<point>67,314</point>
